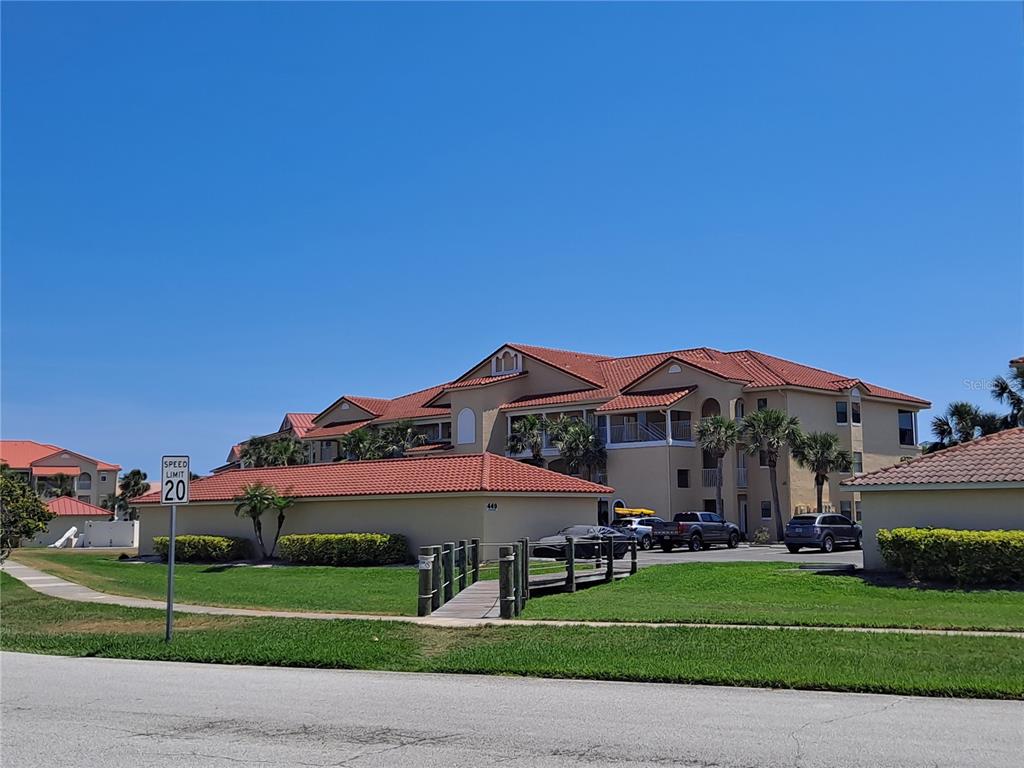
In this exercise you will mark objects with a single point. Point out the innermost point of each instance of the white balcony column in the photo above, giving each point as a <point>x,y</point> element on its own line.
<point>668,426</point>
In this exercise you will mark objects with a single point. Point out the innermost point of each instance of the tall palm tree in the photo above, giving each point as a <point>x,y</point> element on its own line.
<point>960,423</point>
<point>256,499</point>
<point>352,446</point>
<point>390,441</point>
<point>1010,391</point>
<point>580,445</point>
<point>718,435</point>
<point>820,453</point>
<point>282,504</point>
<point>132,485</point>
<point>528,435</point>
<point>58,485</point>
<point>287,451</point>
<point>772,431</point>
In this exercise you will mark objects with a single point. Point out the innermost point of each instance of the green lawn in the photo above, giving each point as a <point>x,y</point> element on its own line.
<point>775,593</point>
<point>885,663</point>
<point>389,591</point>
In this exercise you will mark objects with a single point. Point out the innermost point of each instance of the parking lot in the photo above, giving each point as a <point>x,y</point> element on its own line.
<point>747,553</point>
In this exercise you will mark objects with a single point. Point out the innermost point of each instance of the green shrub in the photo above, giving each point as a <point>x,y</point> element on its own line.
<point>204,549</point>
<point>966,557</point>
<point>344,548</point>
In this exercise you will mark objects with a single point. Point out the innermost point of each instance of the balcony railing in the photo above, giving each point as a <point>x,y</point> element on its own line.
<point>741,477</point>
<point>681,430</point>
<point>635,432</point>
<point>709,477</point>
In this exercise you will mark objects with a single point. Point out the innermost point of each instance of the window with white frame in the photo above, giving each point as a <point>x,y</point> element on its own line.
<point>762,403</point>
<point>855,412</point>
<point>842,412</point>
<point>506,361</point>
<point>858,462</point>
<point>906,426</point>
<point>85,482</point>
<point>856,511</point>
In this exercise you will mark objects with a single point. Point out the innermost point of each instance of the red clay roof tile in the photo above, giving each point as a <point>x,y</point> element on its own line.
<point>465,473</point>
<point>997,458</point>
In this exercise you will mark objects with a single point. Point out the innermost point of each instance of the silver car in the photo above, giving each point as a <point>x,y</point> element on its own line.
<point>823,532</point>
<point>641,527</point>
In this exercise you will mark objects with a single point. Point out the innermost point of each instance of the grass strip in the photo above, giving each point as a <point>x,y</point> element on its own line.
<point>776,594</point>
<point>819,660</point>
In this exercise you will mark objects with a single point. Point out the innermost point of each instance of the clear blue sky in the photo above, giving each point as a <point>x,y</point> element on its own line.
<point>311,200</point>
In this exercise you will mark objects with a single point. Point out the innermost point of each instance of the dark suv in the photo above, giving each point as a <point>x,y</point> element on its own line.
<point>821,531</point>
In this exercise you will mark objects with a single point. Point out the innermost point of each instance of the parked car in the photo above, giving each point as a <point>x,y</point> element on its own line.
<point>642,528</point>
<point>697,531</point>
<point>554,545</point>
<point>821,531</point>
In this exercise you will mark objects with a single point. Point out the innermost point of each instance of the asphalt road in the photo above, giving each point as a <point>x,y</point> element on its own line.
<point>100,712</point>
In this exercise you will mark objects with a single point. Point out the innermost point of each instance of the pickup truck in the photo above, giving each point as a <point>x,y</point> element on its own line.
<point>697,531</point>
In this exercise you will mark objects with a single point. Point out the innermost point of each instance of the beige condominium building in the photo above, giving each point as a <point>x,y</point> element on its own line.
<point>646,408</point>
<point>44,466</point>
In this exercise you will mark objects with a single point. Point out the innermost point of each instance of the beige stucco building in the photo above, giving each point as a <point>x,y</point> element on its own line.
<point>977,485</point>
<point>41,465</point>
<point>645,408</point>
<point>427,499</point>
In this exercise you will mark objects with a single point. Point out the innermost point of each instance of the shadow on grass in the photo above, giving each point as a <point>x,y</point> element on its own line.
<point>899,581</point>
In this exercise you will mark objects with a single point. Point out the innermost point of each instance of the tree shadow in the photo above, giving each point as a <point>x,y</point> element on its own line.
<point>893,580</point>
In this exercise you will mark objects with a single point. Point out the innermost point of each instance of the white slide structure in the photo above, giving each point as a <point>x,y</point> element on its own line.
<point>67,540</point>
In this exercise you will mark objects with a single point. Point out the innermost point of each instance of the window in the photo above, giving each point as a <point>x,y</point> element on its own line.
<point>855,411</point>
<point>85,482</point>
<point>856,511</point>
<point>683,478</point>
<point>103,478</point>
<point>762,459</point>
<point>739,409</point>
<point>766,510</point>
<point>710,505</point>
<point>84,498</point>
<point>842,416</point>
<point>446,430</point>
<point>844,507</point>
<point>467,426</point>
<point>906,424</point>
<point>762,403</point>
<point>858,462</point>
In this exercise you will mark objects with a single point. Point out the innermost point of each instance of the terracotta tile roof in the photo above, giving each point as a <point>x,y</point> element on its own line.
<point>466,473</point>
<point>300,423</point>
<point>430,447</point>
<point>51,471</point>
<point>997,458</point>
<point>661,398</point>
<point>66,506</point>
<point>335,430</point>
<point>580,364</point>
<point>21,454</point>
<point>483,381</point>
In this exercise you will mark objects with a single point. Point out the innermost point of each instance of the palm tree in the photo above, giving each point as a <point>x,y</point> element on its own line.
<point>353,444</point>
<point>132,485</point>
<point>287,451</point>
<point>390,441</point>
<point>718,435</point>
<point>528,436</point>
<point>961,423</point>
<point>580,445</point>
<point>1010,391</point>
<point>58,485</point>
<point>772,431</point>
<point>282,504</point>
<point>256,499</point>
<point>820,453</point>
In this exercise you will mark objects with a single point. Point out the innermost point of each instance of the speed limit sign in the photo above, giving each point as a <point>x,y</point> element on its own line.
<point>174,479</point>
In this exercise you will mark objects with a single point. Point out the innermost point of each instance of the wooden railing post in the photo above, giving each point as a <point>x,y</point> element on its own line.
<point>632,556</point>
<point>570,564</point>
<point>517,577</point>
<point>609,544</point>
<point>599,549</point>
<point>463,564</point>
<point>525,544</point>
<point>475,543</point>
<point>425,565</point>
<point>448,566</point>
<point>435,578</point>
<point>506,583</point>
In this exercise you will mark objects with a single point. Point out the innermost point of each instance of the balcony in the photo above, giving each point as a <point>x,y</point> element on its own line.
<point>681,431</point>
<point>709,478</point>
<point>741,477</point>
<point>635,432</point>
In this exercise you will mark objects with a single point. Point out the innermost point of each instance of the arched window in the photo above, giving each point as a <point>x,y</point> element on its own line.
<point>710,408</point>
<point>85,482</point>
<point>466,426</point>
<point>675,368</point>
<point>740,409</point>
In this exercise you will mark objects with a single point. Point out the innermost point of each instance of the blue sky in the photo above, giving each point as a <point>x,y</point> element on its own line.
<point>213,213</point>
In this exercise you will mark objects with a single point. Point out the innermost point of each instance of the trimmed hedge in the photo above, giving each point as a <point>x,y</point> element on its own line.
<point>344,548</point>
<point>966,557</point>
<point>204,549</point>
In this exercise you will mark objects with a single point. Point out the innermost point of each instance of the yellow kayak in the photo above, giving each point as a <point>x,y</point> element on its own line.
<point>635,512</point>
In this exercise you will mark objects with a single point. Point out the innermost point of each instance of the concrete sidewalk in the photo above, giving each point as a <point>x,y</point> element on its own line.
<point>67,590</point>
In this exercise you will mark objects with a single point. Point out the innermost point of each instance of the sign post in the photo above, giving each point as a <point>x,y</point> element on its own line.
<point>174,489</point>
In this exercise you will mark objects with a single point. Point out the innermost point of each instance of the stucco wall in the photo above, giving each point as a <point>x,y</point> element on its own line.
<point>58,526</point>
<point>422,520</point>
<point>982,510</point>
<point>100,487</point>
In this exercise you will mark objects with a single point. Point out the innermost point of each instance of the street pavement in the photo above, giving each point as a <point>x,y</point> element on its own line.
<point>101,712</point>
<point>747,553</point>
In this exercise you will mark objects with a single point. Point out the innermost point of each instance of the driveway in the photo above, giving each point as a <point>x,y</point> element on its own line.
<point>65,713</point>
<point>749,554</point>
